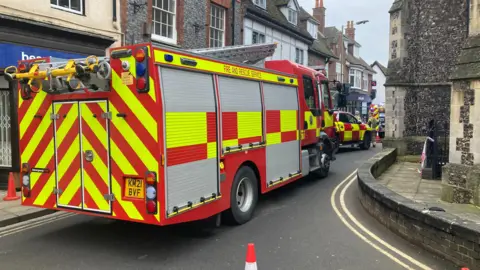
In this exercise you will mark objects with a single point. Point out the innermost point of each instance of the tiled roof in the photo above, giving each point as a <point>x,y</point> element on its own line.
<point>303,15</point>
<point>359,62</point>
<point>273,14</point>
<point>320,46</point>
<point>380,66</point>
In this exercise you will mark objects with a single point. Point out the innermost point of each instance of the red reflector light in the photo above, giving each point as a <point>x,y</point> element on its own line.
<point>151,206</point>
<point>26,191</point>
<point>140,55</point>
<point>141,83</point>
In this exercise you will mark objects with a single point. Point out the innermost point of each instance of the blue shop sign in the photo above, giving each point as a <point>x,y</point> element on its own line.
<point>10,54</point>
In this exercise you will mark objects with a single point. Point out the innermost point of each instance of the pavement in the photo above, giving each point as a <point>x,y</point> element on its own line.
<point>404,179</point>
<point>294,227</point>
<point>12,212</point>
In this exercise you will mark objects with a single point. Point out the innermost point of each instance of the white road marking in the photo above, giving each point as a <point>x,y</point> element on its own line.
<point>33,223</point>
<point>352,177</point>
<point>374,236</point>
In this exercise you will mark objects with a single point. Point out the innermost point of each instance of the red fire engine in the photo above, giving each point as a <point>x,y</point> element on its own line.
<point>164,136</point>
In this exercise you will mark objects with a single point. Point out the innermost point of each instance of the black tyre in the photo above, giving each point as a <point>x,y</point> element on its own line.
<point>367,140</point>
<point>323,172</point>
<point>243,196</point>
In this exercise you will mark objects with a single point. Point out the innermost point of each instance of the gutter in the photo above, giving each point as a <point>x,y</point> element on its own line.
<point>114,10</point>
<point>468,17</point>
<point>233,22</point>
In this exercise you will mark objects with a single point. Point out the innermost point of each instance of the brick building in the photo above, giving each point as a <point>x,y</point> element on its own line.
<point>187,24</point>
<point>319,55</point>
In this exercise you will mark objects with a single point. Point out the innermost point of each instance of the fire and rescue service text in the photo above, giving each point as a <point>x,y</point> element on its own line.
<point>242,72</point>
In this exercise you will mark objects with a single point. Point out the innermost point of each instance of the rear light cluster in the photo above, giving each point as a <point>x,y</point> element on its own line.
<point>141,58</point>
<point>26,180</point>
<point>151,192</point>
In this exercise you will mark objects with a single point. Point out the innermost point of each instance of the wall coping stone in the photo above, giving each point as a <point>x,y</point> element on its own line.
<point>442,221</point>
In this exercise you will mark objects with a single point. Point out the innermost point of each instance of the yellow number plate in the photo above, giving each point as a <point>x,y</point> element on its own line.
<point>134,188</point>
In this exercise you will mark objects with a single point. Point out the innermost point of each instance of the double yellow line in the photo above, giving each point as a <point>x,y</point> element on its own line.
<point>363,233</point>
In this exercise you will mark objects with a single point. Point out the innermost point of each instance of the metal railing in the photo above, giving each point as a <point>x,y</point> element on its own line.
<point>437,148</point>
<point>5,129</point>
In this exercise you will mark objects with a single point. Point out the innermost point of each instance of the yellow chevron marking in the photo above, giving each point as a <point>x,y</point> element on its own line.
<point>133,140</point>
<point>96,195</point>
<point>151,92</point>
<point>34,141</point>
<point>72,188</point>
<point>31,111</point>
<point>135,106</point>
<point>46,191</point>
<point>62,168</point>
<point>97,163</point>
<point>48,154</point>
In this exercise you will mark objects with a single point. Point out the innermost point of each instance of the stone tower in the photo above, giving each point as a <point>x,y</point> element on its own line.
<point>423,49</point>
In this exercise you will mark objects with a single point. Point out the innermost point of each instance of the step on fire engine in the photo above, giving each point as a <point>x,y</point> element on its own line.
<point>165,136</point>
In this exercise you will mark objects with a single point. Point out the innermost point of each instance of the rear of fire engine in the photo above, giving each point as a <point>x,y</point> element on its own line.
<point>162,136</point>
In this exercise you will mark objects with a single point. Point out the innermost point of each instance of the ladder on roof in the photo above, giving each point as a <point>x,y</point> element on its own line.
<point>247,54</point>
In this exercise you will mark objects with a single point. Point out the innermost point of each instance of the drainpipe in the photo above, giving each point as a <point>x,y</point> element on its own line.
<point>233,22</point>
<point>114,10</point>
<point>468,17</point>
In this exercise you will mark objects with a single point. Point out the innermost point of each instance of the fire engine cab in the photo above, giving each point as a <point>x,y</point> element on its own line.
<point>165,136</point>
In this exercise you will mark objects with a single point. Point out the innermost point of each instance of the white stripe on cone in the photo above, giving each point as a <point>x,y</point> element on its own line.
<point>251,266</point>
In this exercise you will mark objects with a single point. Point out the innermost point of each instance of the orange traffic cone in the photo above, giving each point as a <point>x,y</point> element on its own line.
<point>11,193</point>
<point>251,261</point>
<point>377,139</point>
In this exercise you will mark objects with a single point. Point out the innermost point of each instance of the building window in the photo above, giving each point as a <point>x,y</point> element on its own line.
<point>292,16</point>
<point>164,20</point>
<point>365,81</point>
<point>257,37</point>
<point>299,56</point>
<point>312,29</point>
<point>75,6</point>
<point>355,78</point>
<point>338,70</point>
<point>217,26</point>
<point>260,3</point>
<point>356,51</point>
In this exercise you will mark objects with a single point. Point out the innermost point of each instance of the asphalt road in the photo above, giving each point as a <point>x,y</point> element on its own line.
<point>294,227</point>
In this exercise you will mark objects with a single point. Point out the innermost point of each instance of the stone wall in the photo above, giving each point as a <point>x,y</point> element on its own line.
<point>444,234</point>
<point>423,48</point>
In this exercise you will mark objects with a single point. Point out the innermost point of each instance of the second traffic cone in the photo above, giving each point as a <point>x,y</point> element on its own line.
<point>251,261</point>
<point>11,193</point>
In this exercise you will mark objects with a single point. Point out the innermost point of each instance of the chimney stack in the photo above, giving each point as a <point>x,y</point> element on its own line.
<point>350,30</point>
<point>319,15</point>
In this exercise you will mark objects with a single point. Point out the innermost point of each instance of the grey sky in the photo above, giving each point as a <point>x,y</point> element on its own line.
<point>373,36</point>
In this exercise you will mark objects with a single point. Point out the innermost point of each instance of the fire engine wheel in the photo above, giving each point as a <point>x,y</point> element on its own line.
<point>243,196</point>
